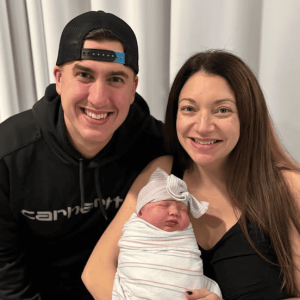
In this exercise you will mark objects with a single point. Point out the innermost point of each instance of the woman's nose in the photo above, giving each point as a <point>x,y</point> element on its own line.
<point>204,123</point>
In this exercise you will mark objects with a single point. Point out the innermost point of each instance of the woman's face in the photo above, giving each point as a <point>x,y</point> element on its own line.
<point>208,126</point>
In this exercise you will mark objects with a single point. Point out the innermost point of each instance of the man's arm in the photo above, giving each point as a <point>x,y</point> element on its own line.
<point>14,281</point>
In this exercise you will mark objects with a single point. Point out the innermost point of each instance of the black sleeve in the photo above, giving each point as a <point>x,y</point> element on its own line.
<point>15,283</point>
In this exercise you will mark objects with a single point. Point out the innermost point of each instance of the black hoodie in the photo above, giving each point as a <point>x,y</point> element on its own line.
<point>50,210</point>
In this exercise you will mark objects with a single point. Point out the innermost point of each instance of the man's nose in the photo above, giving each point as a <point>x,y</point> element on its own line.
<point>98,94</point>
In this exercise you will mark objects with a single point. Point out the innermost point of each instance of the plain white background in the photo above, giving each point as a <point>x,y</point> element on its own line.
<point>265,33</point>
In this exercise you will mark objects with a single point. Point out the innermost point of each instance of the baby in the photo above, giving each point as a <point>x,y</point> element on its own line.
<point>168,215</point>
<point>159,256</point>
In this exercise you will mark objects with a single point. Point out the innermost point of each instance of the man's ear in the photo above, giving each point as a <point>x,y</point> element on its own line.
<point>57,75</point>
<point>135,84</point>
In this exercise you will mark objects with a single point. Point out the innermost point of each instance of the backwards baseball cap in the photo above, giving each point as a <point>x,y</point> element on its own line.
<point>71,41</point>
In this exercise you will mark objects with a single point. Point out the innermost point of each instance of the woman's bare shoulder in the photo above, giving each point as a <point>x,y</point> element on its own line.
<point>162,162</point>
<point>293,180</point>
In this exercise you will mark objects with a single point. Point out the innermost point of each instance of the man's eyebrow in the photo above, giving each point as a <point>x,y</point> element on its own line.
<point>89,70</point>
<point>82,68</point>
<point>118,73</point>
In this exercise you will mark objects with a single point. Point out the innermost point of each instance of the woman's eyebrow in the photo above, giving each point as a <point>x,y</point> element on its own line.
<point>225,100</point>
<point>187,99</point>
<point>216,101</point>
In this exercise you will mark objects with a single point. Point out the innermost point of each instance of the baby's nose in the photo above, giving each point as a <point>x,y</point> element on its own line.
<point>174,211</point>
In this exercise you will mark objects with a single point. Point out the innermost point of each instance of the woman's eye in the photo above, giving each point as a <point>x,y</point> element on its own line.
<point>187,108</point>
<point>223,110</point>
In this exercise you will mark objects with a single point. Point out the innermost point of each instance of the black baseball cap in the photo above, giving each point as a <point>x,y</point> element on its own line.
<point>71,41</point>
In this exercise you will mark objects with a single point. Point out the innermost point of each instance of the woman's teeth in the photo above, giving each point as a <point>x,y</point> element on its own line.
<point>205,142</point>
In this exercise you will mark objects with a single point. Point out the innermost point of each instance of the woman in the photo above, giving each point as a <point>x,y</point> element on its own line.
<point>223,145</point>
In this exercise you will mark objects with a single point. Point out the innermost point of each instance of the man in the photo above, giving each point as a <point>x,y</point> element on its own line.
<point>67,164</point>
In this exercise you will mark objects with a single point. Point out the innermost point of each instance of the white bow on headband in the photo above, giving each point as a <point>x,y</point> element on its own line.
<point>162,186</point>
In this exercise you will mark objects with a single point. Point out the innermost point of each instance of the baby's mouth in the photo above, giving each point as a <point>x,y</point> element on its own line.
<point>171,223</point>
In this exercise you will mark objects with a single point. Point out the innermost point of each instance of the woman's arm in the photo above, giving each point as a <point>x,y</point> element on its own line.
<point>99,272</point>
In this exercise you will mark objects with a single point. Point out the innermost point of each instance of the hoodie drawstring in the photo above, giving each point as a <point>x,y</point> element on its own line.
<point>81,183</point>
<point>97,184</point>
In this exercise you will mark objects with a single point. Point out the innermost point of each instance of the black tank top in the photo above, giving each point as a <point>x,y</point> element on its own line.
<point>240,272</point>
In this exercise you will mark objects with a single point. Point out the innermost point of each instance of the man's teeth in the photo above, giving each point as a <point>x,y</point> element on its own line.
<point>205,142</point>
<point>94,116</point>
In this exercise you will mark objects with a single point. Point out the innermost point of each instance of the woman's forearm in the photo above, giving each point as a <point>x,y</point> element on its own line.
<point>99,272</point>
<point>98,278</point>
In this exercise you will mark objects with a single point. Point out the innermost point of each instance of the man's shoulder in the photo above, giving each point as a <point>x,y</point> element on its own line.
<point>154,127</point>
<point>17,132</point>
<point>142,130</point>
<point>152,136</point>
<point>140,116</point>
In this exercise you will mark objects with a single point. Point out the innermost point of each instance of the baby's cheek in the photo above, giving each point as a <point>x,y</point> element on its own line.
<point>186,221</point>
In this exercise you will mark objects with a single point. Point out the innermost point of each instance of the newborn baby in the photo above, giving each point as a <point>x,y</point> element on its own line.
<point>159,256</point>
<point>168,215</point>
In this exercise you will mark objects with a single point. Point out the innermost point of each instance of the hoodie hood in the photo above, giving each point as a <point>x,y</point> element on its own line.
<point>49,116</point>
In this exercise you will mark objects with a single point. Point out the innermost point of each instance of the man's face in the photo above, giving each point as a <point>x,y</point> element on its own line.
<point>168,215</point>
<point>96,97</point>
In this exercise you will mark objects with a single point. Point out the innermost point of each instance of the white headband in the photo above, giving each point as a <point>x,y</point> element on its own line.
<point>162,186</point>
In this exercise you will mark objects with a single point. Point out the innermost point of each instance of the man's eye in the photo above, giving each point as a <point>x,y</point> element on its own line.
<point>84,75</point>
<point>116,79</point>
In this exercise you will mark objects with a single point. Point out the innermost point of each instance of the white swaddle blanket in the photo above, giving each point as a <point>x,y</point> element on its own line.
<point>158,265</point>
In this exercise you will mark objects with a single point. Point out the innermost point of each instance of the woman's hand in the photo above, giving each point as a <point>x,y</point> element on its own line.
<point>202,294</point>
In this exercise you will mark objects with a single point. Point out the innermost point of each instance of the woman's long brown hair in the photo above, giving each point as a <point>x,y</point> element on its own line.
<point>255,179</point>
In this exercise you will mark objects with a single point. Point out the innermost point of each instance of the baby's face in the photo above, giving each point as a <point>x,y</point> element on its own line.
<point>168,215</point>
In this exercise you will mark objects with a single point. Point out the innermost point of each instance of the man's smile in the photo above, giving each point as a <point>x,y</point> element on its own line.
<point>94,115</point>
